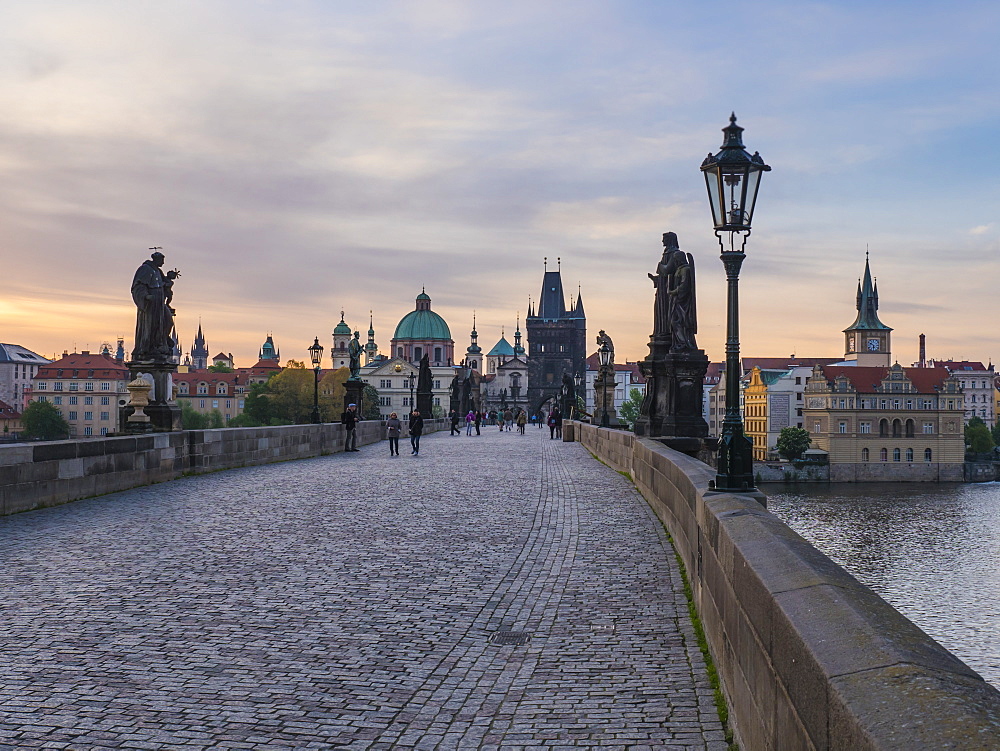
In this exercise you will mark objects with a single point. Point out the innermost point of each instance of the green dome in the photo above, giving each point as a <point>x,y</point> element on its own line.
<point>342,327</point>
<point>421,325</point>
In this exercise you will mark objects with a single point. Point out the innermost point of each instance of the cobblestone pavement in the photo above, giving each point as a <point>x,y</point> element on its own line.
<point>355,602</point>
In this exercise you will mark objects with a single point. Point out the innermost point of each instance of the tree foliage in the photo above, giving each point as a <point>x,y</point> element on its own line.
<point>369,403</point>
<point>978,437</point>
<point>43,420</point>
<point>793,442</point>
<point>220,368</point>
<point>629,411</point>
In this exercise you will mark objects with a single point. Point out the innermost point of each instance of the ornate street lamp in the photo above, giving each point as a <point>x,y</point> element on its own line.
<point>604,356</point>
<point>733,179</point>
<point>316,355</point>
<point>411,380</point>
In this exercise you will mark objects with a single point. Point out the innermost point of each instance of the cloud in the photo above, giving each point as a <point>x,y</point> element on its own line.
<point>982,229</point>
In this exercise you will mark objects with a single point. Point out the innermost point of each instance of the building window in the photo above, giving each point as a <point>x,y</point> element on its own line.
<point>798,396</point>
<point>88,386</point>
<point>104,431</point>
<point>215,404</point>
<point>42,386</point>
<point>88,400</point>
<point>882,404</point>
<point>72,416</point>
<point>202,388</point>
<point>88,415</point>
<point>798,380</point>
<point>88,430</point>
<point>817,427</point>
<point>105,400</point>
<point>883,455</point>
<point>866,427</point>
<point>909,428</point>
<point>437,401</point>
<point>843,403</point>
<point>928,428</point>
<point>57,386</point>
<point>105,386</point>
<point>43,398</point>
<point>909,455</point>
<point>927,455</point>
<point>385,401</point>
<point>883,427</point>
<point>385,383</point>
<point>57,400</point>
<point>73,386</point>
<point>842,426</point>
<point>73,399</point>
<point>895,455</point>
<point>229,403</point>
<point>201,403</point>
<point>864,455</point>
<point>437,384</point>
<point>105,415</point>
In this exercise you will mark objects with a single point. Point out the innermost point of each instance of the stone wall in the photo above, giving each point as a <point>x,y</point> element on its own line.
<point>34,475</point>
<point>788,472</point>
<point>808,657</point>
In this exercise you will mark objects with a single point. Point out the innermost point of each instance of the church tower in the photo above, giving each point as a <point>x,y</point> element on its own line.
<point>199,352</point>
<point>371,348</point>
<point>339,356</point>
<point>474,354</point>
<point>867,340</point>
<point>557,341</point>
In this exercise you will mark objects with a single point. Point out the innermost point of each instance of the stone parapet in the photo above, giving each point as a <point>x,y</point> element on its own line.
<point>808,657</point>
<point>35,475</point>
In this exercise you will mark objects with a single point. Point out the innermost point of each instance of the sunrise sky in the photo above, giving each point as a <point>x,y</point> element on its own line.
<point>295,158</point>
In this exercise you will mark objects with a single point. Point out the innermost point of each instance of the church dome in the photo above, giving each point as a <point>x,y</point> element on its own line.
<point>423,323</point>
<point>342,327</point>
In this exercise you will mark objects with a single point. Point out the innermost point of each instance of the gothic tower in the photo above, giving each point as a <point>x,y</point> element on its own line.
<point>199,352</point>
<point>557,341</point>
<point>867,339</point>
<point>339,356</point>
<point>474,353</point>
<point>371,348</point>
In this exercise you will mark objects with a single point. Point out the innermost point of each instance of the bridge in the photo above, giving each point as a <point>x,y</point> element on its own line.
<point>499,591</point>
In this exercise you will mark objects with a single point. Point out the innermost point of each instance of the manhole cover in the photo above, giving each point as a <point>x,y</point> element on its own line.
<point>510,638</point>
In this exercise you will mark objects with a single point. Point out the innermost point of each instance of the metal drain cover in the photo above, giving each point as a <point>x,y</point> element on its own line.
<point>510,638</point>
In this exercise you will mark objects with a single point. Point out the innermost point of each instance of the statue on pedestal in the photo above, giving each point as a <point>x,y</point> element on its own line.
<point>152,293</point>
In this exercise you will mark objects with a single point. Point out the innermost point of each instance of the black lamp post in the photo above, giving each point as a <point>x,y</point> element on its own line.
<point>733,178</point>
<point>604,355</point>
<point>316,355</point>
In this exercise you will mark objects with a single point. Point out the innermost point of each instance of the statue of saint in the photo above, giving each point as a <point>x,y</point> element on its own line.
<point>683,316</point>
<point>354,350</point>
<point>661,281</point>
<point>603,338</point>
<point>152,292</point>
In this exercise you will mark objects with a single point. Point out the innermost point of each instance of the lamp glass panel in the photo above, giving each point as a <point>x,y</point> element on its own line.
<point>753,185</point>
<point>715,195</point>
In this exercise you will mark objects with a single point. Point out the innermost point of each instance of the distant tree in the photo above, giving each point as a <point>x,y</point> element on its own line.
<point>630,408</point>
<point>996,433</point>
<point>243,421</point>
<point>257,406</point>
<point>220,368</point>
<point>331,394</point>
<point>978,437</point>
<point>43,420</point>
<point>369,400</point>
<point>215,419</point>
<point>793,442</point>
<point>192,419</point>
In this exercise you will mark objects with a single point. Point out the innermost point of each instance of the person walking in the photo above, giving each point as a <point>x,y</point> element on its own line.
<point>350,420</point>
<point>469,419</point>
<point>479,420</point>
<point>499,419</point>
<point>522,421</point>
<point>454,424</point>
<point>416,429</point>
<point>554,422</point>
<point>508,419</point>
<point>393,426</point>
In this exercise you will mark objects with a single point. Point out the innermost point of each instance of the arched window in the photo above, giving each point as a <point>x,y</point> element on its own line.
<point>399,351</point>
<point>909,455</point>
<point>897,429</point>
<point>864,455</point>
<point>895,455</point>
<point>909,428</point>
<point>927,455</point>
<point>418,352</point>
<point>883,455</point>
<point>883,427</point>
<point>202,388</point>
<point>437,354</point>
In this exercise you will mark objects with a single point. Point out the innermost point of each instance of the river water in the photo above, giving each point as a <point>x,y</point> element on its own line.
<point>932,551</point>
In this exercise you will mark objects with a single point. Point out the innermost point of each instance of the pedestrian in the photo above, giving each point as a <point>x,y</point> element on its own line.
<point>479,420</point>
<point>416,428</point>
<point>554,423</point>
<point>454,424</point>
<point>522,420</point>
<point>498,416</point>
<point>508,419</point>
<point>534,419</point>
<point>541,420</point>
<point>392,428</point>
<point>350,420</point>
<point>469,419</point>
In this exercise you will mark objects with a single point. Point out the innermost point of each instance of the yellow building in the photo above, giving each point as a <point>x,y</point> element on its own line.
<point>86,388</point>
<point>755,411</point>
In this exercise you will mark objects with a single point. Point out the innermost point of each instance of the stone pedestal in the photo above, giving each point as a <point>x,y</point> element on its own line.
<point>354,391</point>
<point>163,411</point>
<point>673,402</point>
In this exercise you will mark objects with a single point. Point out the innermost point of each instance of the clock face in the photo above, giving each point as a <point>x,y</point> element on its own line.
<point>873,345</point>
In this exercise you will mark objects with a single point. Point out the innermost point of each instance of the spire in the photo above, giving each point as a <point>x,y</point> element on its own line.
<point>371,325</point>
<point>867,303</point>
<point>474,348</point>
<point>518,349</point>
<point>578,310</point>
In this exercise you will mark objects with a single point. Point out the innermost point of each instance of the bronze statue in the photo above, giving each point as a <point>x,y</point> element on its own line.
<point>661,281</point>
<point>682,312</point>
<point>354,350</point>
<point>152,292</point>
<point>603,338</point>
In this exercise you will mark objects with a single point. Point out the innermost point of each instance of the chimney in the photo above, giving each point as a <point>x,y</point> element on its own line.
<point>923,351</point>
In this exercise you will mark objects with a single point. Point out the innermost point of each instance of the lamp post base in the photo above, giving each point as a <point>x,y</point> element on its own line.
<point>735,468</point>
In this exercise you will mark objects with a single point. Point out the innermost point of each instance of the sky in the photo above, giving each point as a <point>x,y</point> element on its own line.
<point>294,159</point>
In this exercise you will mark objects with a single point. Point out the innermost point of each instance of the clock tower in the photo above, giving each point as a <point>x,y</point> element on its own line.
<point>867,339</point>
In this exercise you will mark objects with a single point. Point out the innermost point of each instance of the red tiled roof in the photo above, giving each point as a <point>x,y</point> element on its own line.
<point>81,363</point>
<point>8,411</point>
<point>958,365</point>
<point>867,380</point>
